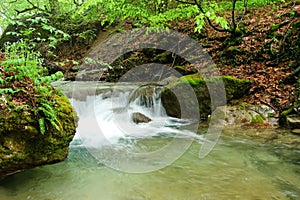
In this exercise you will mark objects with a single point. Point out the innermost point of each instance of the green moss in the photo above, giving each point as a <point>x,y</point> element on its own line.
<point>21,144</point>
<point>234,88</point>
<point>182,70</point>
<point>257,119</point>
<point>193,79</point>
<point>286,112</point>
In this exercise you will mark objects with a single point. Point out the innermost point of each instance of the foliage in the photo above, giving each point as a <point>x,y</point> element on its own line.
<point>257,119</point>
<point>24,87</point>
<point>38,33</point>
<point>54,14</point>
<point>65,24</point>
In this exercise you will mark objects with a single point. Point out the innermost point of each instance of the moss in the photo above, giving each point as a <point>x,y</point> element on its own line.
<point>234,88</point>
<point>22,146</point>
<point>286,112</point>
<point>194,79</point>
<point>185,71</point>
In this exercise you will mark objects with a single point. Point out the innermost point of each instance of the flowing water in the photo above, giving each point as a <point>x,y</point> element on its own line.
<point>112,158</point>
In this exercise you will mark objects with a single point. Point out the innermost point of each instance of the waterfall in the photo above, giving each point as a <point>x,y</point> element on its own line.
<point>106,118</point>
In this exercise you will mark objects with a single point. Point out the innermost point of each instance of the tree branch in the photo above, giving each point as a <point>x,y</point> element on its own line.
<point>233,17</point>
<point>186,2</point>
<point>207,18</point>
<point>34,7</point>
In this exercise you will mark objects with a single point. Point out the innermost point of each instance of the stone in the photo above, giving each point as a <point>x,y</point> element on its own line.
<point>140,118</point>
<point>23,146</point>
<point>190,94</point>
<point>296,131</point>
<point>293,121</point>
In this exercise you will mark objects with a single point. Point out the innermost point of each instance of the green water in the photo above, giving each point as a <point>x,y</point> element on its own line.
<point>235,169</point>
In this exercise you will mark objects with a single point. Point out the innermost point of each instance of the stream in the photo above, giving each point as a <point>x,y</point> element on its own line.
<point>113,158</point>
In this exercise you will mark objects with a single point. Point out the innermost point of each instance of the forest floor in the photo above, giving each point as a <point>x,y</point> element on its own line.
<point>266,51</point>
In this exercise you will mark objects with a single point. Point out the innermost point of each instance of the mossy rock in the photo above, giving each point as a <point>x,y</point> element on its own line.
<point>22,146</point>
<point>185,70</point>
<point>182,102</point>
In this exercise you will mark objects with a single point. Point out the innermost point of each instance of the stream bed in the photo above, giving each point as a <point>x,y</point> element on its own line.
<point>107,167</point>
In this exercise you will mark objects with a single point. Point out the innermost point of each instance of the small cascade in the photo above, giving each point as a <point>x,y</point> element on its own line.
<point>148,98</point>
<point>106,118</point>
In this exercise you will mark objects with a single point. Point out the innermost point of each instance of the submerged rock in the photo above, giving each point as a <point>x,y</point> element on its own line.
<point>191,92</point>
<point>140,118</point>
<point>22,146</point>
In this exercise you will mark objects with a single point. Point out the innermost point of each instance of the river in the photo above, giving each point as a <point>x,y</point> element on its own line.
<point>126,160</point>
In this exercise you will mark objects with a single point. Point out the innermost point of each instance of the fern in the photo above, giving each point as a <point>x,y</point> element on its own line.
<point>14,62</point>
<point>50,115</point>
<point>21,62</point>
<point>8,91</point>
<point>42,125</point>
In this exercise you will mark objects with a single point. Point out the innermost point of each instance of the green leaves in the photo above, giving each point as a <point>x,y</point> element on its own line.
<point>23,73</point>
<point>200,22</point>
<point>48,113</point>
<point>223,22</point>
<point>42,125</point>
<point>8,91</point>
<point>13,62</point>
<point>53,77</point>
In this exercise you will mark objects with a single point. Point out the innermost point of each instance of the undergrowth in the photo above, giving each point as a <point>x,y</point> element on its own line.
<point>24,86</point>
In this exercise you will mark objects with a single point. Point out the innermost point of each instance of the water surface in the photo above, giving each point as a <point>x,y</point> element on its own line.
<point>235,169</point>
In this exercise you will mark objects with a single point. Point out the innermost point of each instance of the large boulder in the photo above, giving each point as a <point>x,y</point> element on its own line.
<point>23,146</point>
<point>177,96</point>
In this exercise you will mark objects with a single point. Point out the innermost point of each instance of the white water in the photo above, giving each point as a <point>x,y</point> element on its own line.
<point>107,130</point>
<point>107,118</point>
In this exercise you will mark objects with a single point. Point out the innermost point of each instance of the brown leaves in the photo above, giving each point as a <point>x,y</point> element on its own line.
<point>259,61</point>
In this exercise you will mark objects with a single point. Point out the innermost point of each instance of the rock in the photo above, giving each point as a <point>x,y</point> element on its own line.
<point>296,131</point>
<point>22,146</point>
<point>178,97</point>
<point>168,80</point>
<point>89,74</point>
<point>140,118</point>
<point>293,121</point>
<point>186,70</point>
<point>247,116</point>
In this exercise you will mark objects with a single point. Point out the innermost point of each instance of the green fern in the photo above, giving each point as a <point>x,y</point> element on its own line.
<point>42,125</point>
<point>21,62</point>
<point>50,115</point>
<point>8,91</point>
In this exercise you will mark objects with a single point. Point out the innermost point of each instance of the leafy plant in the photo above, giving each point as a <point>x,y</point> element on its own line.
<point>24,80</point>
<point>257,119</point>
